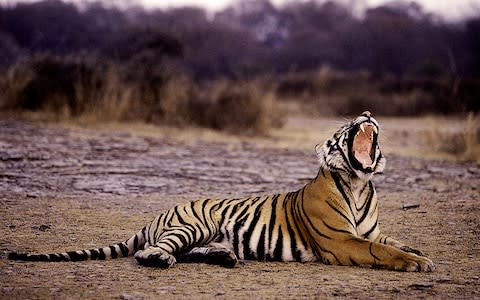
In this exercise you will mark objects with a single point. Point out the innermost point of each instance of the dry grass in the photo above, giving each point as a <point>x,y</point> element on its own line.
<point>244,107</point>
<point>86,91</point>
<point>472,139</point>
<point>331,92</point>
<point>60,88</point>
<point>462,143</point>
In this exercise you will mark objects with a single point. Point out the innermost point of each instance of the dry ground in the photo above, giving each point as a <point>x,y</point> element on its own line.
<point>66,188</point>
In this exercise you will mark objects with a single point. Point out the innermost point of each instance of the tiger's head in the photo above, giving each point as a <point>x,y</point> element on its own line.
<point>354,148</point>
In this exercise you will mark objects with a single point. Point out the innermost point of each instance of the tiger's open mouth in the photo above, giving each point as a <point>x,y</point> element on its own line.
<point>363,146</point>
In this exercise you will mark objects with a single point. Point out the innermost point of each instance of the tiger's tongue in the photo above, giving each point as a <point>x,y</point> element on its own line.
<point>361,149</point>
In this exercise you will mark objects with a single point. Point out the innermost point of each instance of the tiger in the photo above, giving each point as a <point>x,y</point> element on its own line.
<point>333,219</point>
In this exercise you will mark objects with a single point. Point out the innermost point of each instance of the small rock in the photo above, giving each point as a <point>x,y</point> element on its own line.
<point>43,227</point>
<point>444,279</point>
<point>166,289</point>
<point>473,171</point>
<point>125,296</point>
<point>442,189</point>
<point>421,286</point>
<point>410,206</point>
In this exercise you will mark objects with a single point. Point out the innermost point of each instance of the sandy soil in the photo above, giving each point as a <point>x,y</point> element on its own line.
<point>66,188</point>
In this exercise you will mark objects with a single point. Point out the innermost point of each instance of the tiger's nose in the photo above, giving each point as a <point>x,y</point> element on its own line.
<point>367,114</point>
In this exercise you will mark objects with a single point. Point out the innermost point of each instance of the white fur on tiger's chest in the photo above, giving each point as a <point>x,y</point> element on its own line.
<point>363,206</point>
<point>358,190</point>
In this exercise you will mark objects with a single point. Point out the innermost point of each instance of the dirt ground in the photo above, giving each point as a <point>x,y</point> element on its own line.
<point>63,187</point>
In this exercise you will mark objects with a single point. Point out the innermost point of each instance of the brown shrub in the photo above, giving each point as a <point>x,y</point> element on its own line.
<point>471,137</point>
<point>50,84</point>
<point>465,145</point>
<point>241,108</point>
<point>83,90</point>
<point>349,93</point>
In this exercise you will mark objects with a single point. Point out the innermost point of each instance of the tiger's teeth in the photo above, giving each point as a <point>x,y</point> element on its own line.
<point>362,127</point>
<point>375,129</point>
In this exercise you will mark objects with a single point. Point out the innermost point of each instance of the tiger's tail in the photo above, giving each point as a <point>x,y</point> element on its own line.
<point>123,249</point>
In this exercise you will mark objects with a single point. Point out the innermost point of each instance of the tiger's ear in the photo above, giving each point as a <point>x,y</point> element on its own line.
<point>318,149</point>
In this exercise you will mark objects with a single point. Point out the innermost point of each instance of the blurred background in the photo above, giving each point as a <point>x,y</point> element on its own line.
<point>237,65</point>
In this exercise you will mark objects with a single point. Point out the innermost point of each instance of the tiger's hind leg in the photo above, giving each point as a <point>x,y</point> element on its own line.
<point>155,256</point>
<point>213,253</point>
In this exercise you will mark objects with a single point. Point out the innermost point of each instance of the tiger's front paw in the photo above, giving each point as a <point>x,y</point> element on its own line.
<point>155,259</point>
<point>415,263</point>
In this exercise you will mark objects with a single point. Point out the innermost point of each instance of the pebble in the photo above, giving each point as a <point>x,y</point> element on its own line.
<point>166,289</point>
<point>126,296</point>
<point>43,227</point>
<point>421,286</point>
<point>444,279</point>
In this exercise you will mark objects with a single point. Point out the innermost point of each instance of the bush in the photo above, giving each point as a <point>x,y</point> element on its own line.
<point>82,89</point>
<point>349,93</point>
<point>242,108</point>
<point>66,88</point>
<point>472,139</point>
<point>464,145</point>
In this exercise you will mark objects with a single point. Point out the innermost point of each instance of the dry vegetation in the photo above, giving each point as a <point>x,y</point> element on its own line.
<point>84,88</point>
<point>86,91</point>
<point>240,70</point>
<point>79,89</point>
<point>333,92</point>
<point>463,143</point>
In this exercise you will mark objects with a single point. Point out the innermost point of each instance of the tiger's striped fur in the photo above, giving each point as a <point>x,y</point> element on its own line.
<point>333,219</point>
